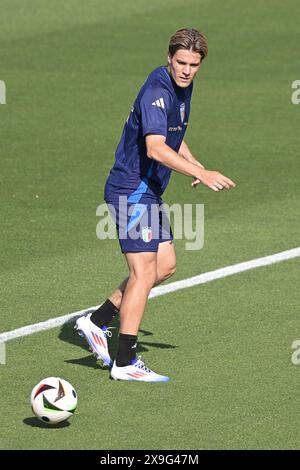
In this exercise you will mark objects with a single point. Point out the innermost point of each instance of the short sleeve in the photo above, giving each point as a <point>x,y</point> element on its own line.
<point>154,105</point>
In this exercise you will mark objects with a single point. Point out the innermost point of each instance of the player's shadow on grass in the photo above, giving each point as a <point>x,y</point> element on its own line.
<point>36,423</point>
<point>70,335</point>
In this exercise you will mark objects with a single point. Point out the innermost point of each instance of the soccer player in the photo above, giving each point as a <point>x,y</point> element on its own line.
<point>151,146</point>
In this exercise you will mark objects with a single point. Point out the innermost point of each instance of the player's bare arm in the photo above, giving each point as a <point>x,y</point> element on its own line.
<point>161,152</point>
<point>185,152</point>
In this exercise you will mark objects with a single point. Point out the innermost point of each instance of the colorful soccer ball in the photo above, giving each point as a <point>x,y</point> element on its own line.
<point>53,400</point>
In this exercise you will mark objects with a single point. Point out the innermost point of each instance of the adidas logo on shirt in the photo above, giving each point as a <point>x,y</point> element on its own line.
<point>159,103</point>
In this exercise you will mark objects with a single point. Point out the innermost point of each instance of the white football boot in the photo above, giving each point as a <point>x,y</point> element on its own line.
<point>96,337</point>
<point>137,371</point>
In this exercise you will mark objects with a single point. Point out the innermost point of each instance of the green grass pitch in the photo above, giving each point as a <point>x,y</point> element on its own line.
<point>72,70</point>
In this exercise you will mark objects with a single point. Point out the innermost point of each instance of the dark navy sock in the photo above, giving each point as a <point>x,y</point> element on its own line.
<point>104,314</point>
<point>127,350</point>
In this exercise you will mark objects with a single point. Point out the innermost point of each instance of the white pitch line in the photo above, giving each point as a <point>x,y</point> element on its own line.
<point>161,290</point>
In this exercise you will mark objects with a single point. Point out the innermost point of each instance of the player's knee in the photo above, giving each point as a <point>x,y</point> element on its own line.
<point>149,277</point>
<point>146,277</point>
<point>171,270</point>
<point>168,272</point>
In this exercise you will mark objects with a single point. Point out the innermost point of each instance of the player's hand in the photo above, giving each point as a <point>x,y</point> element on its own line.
<point>214,180</point>
<point>195,182</point>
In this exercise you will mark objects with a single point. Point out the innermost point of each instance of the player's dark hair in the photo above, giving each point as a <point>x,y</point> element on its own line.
<point>190,39</point>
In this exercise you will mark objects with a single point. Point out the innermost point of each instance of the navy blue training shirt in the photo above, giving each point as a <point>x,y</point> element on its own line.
<point>163,108</point>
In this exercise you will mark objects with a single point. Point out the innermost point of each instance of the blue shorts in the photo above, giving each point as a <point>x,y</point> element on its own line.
<point>141,226</point>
